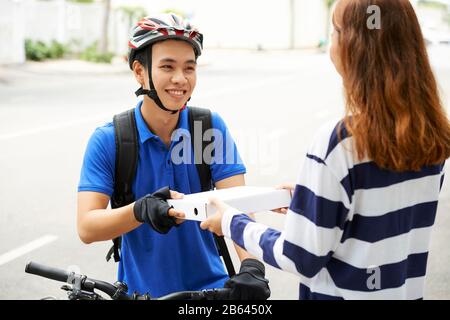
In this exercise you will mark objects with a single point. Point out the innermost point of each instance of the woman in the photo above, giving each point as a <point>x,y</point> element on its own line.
<point>365,202</point>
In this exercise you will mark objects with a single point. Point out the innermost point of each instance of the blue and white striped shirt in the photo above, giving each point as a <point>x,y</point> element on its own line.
<point>353,230</point>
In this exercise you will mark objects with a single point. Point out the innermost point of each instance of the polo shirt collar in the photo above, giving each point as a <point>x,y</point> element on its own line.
<point>146,134</point>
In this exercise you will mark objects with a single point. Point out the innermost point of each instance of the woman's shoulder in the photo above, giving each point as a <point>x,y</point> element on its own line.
<point>330,135</point>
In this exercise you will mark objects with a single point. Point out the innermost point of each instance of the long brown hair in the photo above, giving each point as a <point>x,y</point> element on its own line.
<point>393,109</point>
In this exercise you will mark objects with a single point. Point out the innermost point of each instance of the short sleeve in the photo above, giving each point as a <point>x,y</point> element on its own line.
<point>97,172</point>
<point>226,161</point>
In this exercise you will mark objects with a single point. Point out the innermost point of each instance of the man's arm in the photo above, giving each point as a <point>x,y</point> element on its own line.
<point>235,181</point>
<point>97,223</point>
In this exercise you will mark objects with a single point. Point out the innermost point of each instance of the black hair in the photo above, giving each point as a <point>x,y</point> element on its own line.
<point>143,56</point>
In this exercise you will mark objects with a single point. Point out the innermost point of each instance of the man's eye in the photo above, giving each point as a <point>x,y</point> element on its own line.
<point>166,67</point>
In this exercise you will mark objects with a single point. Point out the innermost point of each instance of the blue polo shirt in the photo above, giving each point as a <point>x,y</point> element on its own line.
<point>186,258</point>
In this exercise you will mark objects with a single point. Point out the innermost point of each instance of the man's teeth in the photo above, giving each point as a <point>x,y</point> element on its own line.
<point>176,92</point>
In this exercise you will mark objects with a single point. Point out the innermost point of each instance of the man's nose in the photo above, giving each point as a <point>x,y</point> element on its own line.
<point>179,77</point>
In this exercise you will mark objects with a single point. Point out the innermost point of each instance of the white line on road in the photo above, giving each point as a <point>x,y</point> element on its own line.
<point>250,85</point>
<point>53,127</point>
<point>33,245</point>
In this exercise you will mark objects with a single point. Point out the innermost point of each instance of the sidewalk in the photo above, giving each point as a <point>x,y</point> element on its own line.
<point>438,55</point>
<point>75,67</point>
<point>67,67</point>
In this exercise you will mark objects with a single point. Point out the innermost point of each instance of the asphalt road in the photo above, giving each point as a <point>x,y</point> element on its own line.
<point>273,102</point>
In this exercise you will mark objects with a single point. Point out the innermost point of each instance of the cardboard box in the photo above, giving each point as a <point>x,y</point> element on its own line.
<point>247,199</point>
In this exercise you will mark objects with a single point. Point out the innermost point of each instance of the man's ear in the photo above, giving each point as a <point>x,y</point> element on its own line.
<point>139,72</point>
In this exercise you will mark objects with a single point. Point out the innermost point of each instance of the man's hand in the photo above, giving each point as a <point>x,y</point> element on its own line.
<point>250,283</point>
<point>154,210</point>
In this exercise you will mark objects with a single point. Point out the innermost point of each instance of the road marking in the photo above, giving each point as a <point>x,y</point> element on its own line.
<point>108,116</point>
<point>33,245</point>
<point>54,127</point>
<point>249,86</point>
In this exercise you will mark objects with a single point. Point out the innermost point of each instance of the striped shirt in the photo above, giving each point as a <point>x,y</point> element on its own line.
<point>353,230</point>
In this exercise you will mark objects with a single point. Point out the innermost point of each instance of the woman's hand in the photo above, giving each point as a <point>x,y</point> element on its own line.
<point>214,223</point>
<point>287,186</point>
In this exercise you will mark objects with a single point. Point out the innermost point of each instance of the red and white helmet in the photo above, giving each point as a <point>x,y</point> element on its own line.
<point>162,27</point>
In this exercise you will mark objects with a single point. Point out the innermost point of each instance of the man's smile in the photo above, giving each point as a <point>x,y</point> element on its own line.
<point>176,93</point>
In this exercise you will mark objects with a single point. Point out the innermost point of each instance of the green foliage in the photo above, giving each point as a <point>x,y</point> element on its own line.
<point>92,54</point>
<point>329,3</point>
<point>323,44</point>
<point>57,50</point>
<point>432,4</point>
<point>82,1</point>
<point>133,12</point>
<point>38,50</point>
<point>176,11</point>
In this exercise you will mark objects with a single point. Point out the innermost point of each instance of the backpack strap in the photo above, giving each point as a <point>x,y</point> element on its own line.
<point>199,122</point>
<point>125,134</point>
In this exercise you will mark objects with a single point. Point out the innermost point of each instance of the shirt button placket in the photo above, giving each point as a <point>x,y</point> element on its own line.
<point>170,171</point>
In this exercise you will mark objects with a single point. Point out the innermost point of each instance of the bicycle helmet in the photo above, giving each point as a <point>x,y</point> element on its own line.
<point>157,28</point>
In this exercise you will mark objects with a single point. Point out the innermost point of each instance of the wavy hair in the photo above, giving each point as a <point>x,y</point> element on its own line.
<point>393,109</point>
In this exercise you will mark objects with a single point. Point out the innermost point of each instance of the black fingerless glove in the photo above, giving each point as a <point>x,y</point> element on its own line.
<point>153,209</point>
<point>250,283</point>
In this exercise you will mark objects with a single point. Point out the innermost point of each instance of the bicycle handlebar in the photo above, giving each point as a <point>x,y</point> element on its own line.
<point>114,293</point>
<point>64,276</point>
<point>47,272</point>
<point>206,294</point>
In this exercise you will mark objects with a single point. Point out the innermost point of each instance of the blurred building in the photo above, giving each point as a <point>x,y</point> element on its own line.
<point>253,24</point>
<point>243,24</point>
<point>263,24</point>
<point>12,32</point>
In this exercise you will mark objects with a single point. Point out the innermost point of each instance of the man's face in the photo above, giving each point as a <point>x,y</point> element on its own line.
<point>173,72</point>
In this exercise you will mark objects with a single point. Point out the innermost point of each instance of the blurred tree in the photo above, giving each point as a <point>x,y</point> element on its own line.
<point>432,4</point>
<point>176,11</point>
<point>103,43</point>
<point>82,1</point>
<point>133,14</point>
<point>329,4</point>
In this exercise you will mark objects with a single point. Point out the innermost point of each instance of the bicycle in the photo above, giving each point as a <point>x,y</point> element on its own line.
<point>80,287</point>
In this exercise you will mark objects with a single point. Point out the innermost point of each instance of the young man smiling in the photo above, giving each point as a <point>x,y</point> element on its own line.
<point>155,257</point>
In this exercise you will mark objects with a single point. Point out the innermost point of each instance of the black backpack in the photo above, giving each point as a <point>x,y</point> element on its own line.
<point>126,163</point>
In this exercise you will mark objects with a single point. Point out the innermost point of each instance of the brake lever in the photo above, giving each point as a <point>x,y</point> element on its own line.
<point>80,294</point>
<point>80,288</point>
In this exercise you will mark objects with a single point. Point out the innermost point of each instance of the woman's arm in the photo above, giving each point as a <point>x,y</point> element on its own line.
<point>313,227</point>
<point>234,181</point>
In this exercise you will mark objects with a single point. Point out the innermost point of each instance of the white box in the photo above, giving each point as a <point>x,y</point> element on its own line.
<point>247,199</point>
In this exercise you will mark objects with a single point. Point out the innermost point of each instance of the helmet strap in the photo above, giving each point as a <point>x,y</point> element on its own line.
<point>152,94</point>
